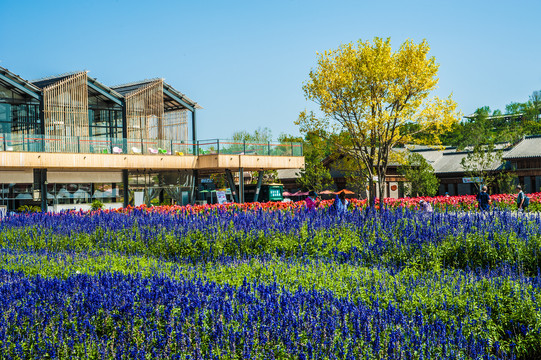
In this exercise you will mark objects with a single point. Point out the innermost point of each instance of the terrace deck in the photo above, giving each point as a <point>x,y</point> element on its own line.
<point>14,160</point>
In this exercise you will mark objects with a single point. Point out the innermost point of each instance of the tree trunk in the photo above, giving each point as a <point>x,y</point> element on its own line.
<point>381,183</point>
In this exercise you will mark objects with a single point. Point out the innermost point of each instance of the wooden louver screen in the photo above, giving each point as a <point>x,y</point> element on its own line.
<point>66,112</point>
<point>175,125</point>
<point>144,110</point>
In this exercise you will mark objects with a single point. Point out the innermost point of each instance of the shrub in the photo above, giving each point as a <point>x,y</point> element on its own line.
<point>29,209</point>
<point>96,205</point>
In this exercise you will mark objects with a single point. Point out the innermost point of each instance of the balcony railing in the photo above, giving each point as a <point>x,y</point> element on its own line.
<point>101,145</point>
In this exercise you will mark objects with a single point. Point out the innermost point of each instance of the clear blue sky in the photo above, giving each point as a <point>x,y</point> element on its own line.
<point>245,62</point>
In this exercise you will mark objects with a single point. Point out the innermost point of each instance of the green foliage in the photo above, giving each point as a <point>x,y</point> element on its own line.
<point>315,175</point>
<point>96,205</point>
<point>485,126</point>
<point>29,208</point>
<point>432,279</point>
<point>259,135</point>
<point>419,175</point>
<point>480,163</point>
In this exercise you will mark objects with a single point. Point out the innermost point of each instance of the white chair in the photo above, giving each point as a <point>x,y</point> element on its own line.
<point>117,150</point>
<point>135,150</point>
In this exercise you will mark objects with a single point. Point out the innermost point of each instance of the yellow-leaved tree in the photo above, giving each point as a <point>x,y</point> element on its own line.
<point>378,98</point>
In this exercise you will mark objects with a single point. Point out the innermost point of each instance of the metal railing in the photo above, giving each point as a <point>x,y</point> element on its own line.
<point>239,147</point>
<point>102,145</point>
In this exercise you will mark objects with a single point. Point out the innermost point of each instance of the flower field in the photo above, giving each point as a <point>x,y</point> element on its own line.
<point>272,281</point>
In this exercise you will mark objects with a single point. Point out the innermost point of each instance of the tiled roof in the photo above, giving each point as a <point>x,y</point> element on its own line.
<point>450,162</point>
<point>528,147</point>
<point>288,173</point>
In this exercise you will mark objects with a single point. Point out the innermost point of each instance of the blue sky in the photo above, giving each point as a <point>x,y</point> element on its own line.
<point>245,61</point>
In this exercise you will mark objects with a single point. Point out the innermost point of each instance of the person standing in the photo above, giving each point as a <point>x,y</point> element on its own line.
<point>522,200</point>
<point>425,206</point>
<point>483,198</point>
<point>341,203</point>
<point>311,200</point>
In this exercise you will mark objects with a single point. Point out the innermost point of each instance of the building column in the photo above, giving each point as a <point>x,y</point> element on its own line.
<point>125,185</point>
<point>43,185</point>
<point>194,133</point>
<point>125,128</point>
<point>258,186</point>
<point>241,185</point>
<point>232,186</point>
<point>195,186</point>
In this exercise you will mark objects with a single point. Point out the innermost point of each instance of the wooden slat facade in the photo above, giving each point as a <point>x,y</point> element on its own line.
<point>65,106</point>
<point>144,111</point>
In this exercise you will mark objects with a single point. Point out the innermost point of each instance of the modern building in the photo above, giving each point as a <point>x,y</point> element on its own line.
<point>68,140</point>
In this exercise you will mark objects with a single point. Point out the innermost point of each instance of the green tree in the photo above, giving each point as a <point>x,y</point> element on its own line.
<point>481,163</point>
<point>476,130</point>
<point>369,92</point>
<point>419,175</point>
<point>532,122</point>
<point>253,142</point>
<point>315,175</point>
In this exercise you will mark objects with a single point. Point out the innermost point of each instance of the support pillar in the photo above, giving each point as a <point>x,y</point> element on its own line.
<point>195,192</point>
<point>125,128</point>
<point>241,185</point>
<point>232,186</point>
<point>194,133</point>
<point>43,189</point>
<point>258,186</point>
<point>42,126</point>
<point>125,185</point>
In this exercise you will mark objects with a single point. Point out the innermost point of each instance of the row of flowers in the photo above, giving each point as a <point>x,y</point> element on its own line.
<point>461,202</point>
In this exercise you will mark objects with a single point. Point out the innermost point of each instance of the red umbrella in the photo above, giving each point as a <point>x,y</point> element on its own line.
<point>345,191</point>
<point>285,193</point>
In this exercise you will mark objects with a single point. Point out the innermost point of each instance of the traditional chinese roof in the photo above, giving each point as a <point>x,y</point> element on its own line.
<point>528,147</point>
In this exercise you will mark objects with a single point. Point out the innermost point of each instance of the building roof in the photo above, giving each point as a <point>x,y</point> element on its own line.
<point>289,173</point>
<point>450,162</point>
<point>105,88</point>
<point>126,89</point>
<point>170,103</point>
<point>46,81</point>
<point>433,154</point>
<point>23,87</point>
<point>528,147</point>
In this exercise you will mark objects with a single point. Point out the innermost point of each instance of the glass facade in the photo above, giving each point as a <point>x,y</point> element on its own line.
<point>104,118</point>
<point>163,187</point>
<point>18,115</point>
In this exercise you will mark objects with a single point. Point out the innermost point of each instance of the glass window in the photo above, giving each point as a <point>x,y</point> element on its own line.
<point>5,118</point>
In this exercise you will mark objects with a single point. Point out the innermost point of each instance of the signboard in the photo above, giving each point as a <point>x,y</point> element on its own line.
<point>206,181</point>
<point>138,198</point>
<point>472,180</point>
<point>220,195</point>
<point>275,193</point>
<point>37,195</point>
<point>3,210</point>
